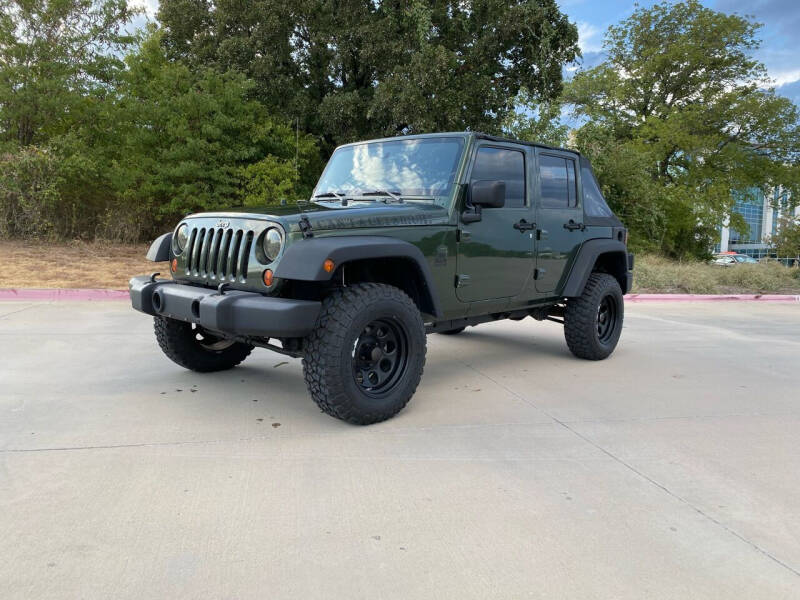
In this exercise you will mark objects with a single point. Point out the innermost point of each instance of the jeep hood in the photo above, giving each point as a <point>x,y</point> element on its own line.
<point>331,215</point>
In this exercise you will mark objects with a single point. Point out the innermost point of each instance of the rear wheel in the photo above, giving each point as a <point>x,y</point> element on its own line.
<point>364,359</point>
<point>192,347</point>
<point>593,321</point>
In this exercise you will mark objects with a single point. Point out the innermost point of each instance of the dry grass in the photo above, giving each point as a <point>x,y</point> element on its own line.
<point>654,274</point>
<point>73,264</point>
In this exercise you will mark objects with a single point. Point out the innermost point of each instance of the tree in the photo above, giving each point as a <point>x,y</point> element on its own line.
<point>57,58</point>
<point>676,120</point>
<point>787,240</point>
<point>537,121</point>
<point>193,139</point>
<point>352,69</point>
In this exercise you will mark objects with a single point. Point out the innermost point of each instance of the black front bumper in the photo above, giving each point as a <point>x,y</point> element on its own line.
<point>234,312</point>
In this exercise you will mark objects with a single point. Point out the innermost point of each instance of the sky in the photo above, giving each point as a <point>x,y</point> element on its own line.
<point>780,34</point>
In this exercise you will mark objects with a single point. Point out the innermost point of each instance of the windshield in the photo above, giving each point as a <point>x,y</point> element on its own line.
<point>414,169</point>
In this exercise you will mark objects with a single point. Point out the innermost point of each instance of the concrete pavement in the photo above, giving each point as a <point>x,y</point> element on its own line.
<point>671,470</point>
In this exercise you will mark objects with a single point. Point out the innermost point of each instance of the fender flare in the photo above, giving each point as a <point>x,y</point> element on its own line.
<point>585,261</point>
<point>303,260</point>
<point>161,249</point>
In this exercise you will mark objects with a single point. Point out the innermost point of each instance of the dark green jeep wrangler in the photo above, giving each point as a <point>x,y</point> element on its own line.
<point>402,237</point>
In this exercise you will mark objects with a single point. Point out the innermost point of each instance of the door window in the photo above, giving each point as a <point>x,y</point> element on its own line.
<point>504,165</point>
<point>558,182</point>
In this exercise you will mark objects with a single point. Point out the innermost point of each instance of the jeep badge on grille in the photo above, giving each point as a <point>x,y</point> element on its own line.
<point>223,224</point>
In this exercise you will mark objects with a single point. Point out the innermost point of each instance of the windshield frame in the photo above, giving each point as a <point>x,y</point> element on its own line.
<point>445,201</point>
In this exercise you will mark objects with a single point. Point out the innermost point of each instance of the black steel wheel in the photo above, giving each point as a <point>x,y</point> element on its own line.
<point>593,321</point>
<point>607,319</point>
<point>380,357</point>
<point>364,359</point>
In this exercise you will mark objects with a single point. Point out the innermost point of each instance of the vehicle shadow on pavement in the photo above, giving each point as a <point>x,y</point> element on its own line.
<point>505,346</point>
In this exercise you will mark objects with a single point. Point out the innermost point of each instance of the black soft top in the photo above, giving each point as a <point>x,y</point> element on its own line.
<point>499,138</point>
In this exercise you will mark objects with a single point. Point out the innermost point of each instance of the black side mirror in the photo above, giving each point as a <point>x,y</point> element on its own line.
<point>489,194</point>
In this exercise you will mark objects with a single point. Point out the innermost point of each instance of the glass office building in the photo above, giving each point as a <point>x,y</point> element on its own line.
<point>763,214</point>
<point>750,205</point>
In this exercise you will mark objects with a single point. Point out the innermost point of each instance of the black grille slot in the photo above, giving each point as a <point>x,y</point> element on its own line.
<point>218,254</point>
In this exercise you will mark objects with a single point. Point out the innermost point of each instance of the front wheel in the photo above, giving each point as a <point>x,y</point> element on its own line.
<point>364,359</point>
<point>192,347</point>
<point>593,321</point>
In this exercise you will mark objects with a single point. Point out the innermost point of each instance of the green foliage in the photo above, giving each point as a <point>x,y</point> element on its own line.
<point>58,58</point>
<point>166,140</point>
<point>677,121</point>
<point>787,239</point>
<point>29,194</point>
<point>352,70</point>
<point>537,121</point>
<point>191,139</point>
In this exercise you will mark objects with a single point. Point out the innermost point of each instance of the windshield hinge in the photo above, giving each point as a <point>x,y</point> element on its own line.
<point>305,227</point>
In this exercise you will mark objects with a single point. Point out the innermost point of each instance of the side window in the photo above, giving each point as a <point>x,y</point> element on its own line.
<point>593,202</point>
<point>504,165</point>
<point>557,177</point>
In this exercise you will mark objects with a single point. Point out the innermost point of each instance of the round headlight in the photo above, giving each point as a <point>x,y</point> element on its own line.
<point>181,237</point>
<point>272,242</point>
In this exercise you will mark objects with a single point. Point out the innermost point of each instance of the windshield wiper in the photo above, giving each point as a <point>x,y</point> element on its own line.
<point>336,195</point>
<point>393,195</point>
<point>340,197</point>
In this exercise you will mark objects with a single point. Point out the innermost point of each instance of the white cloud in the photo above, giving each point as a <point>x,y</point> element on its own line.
<point>783,77</point>
<point>589,37</point>
<point>150,6</point>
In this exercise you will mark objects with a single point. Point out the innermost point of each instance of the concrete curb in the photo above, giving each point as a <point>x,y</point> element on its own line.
<point>83,295</point>
<point>57,294</point>
<point>711,298</point>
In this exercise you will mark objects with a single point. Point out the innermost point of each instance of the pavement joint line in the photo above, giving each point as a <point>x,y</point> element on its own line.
<point>136,445</point>
<point>642,475</point>
<point>13,312</point>
<point>258,438</point>
<point>679,417</point>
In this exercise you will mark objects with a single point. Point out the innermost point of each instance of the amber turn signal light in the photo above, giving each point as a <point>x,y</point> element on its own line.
<point>328,265</point>
<point>174,265</point>
<point>268,277</point>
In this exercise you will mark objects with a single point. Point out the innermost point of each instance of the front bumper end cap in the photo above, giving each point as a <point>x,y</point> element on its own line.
<point>236,312</point>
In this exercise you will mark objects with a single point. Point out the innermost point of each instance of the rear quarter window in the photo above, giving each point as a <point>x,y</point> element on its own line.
<point>594,204</point>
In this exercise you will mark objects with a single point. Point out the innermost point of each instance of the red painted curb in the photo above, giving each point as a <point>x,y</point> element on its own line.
<point>57,294</point>
<point>711,298</point>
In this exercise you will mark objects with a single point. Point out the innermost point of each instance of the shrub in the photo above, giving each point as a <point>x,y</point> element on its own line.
<point>656,274</point>
<point>29,192</point>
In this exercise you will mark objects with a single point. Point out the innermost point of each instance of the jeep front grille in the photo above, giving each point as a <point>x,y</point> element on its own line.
<point>218,254</point>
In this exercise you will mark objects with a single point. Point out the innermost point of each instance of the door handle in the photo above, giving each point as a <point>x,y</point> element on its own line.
<point>522,225</point>
<point>572,225</point>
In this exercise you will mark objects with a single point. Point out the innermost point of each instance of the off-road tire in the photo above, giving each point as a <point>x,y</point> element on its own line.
<point>328,360</point>
<point>581,318</point>
<point>179,342</point>
<point>455,331</point>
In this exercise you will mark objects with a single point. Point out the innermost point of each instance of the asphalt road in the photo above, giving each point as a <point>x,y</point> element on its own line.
<point>671,470</point>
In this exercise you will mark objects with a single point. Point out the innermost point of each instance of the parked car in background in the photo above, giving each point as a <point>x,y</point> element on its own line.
<point>731,259</point>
